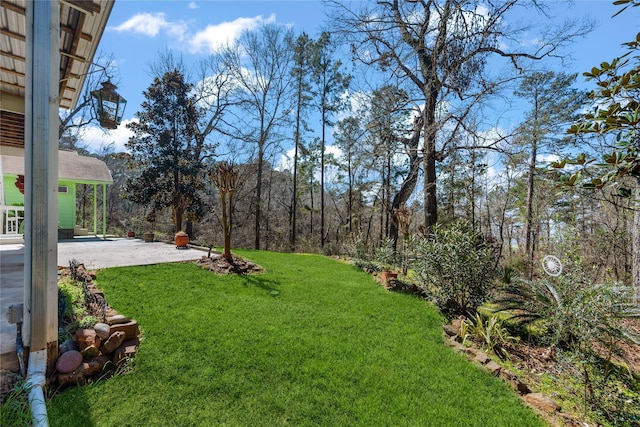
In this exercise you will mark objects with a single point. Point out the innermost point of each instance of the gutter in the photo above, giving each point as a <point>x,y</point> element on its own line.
<point>36,380</point>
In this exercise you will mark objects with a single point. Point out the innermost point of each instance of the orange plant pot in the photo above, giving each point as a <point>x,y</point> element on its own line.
<point>181,240</point>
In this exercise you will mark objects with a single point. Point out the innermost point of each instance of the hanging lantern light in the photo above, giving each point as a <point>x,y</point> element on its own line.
<point>109,105</point>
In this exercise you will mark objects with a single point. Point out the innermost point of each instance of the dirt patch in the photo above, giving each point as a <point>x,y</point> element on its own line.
<point>219,265</point>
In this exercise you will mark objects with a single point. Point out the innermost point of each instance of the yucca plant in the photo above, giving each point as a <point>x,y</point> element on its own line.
<point>491,334</point>
<point>572,309</point>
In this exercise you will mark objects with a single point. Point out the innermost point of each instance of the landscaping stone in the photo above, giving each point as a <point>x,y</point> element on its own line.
<point>117,319</point>
<point>90,351</point>
<point>520,386</point>
<point>542,402</point>
<point>481,357</point>
<point>86,337</point>
<point>75,377</point>
<point>127,349</point>
<point>102,330</point>
<point>68,345</point>
<point>130,329</point>
<point>449,330</point>
<point>457,323</point>
<point>69,361</point>
<point>493,367</point>
<point>113,342</point>
<point>94,365</point>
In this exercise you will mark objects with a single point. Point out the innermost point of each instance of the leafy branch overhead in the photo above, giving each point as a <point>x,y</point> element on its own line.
<point>615,112</point>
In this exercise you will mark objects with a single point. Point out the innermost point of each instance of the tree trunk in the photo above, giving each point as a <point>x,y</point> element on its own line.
<point>429,161</point>
<point>410,181</point>
<point>528,225</point>
<point>635,256</point>
<point>258,196</point>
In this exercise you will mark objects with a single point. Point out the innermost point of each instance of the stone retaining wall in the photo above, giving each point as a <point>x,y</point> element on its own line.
<point>102,350</point>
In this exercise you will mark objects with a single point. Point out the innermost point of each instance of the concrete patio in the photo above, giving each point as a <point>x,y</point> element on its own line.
<point>94,253</point>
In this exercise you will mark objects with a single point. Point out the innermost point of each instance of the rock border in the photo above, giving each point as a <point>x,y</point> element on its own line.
<point>98,352</point>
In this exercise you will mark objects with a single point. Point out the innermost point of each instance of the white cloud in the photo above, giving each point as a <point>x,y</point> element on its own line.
<point>193,5</point>
<point>96,137</point>
<point>208,40</point>
<point>147,24</point>
<point>214,37</point>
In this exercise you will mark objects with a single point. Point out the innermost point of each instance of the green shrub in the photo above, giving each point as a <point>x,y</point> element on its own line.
<point>572,309</point>
<point>491,334</point>
<point>385,255</point>
<point>456,267</point>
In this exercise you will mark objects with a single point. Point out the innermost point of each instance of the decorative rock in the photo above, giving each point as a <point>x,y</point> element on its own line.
<point>69,361</point>
<point>456,324</point>
<point>493,367</point>
<point>68,345</point>
<point>94,366</point>
<point>507,375</point>
<point>127,349</point>
<point>521,387</point>
<point>130,329</point>
<point>113,342</point>
<point>85,338</point>
<point>481,358</point>
<point>449,330</point>
<point>75,377</point>
<point>117,319</point>
<point>542,402</point>
<point>102,330</point>
<point>90,351</point>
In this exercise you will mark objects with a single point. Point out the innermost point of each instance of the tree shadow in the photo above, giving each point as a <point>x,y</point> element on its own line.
<point>261,282</point>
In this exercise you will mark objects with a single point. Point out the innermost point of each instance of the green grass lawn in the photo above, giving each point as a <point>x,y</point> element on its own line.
<point>312,342</point>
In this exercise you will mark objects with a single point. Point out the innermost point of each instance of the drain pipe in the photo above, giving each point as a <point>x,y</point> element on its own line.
<point>36,380</point>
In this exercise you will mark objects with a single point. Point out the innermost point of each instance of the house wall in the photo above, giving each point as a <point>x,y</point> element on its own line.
<point>67,205</point>
<point>66,201</point>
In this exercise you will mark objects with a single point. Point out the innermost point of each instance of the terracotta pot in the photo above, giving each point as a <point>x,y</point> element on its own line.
<point>181,239</point>
<point>386,275</point>
<point>131,234</point>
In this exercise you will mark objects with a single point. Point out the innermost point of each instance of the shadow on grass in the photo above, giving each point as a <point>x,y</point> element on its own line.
<point>268,285</point>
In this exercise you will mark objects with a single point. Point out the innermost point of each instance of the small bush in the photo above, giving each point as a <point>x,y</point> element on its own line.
<point>491,334</point>
<point>456,267</point>
<point>572,309</point>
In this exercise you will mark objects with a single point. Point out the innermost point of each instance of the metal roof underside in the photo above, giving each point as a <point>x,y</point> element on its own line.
<point>82,23</point>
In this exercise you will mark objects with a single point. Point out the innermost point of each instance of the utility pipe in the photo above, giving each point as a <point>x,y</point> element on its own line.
<point>36,381</point>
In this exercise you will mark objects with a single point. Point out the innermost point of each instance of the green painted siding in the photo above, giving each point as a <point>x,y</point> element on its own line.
<point>67,205</point>
<point>11,193</point>
<point>66,201</point>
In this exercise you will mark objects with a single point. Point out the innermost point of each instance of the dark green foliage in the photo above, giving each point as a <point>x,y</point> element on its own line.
<point>455,267</point>
<point>166,150</point>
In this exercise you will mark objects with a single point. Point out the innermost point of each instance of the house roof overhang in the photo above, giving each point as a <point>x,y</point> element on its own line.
<point>82,23</point>
<point>71,167</point>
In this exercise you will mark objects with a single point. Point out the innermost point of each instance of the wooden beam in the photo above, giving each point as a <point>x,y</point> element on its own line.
<point>86,6</point>
<point>11,55</point>
<point>13,7</point>
<point>13,35</point>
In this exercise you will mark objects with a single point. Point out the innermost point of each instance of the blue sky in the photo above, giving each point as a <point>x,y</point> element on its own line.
<point>138,30</point>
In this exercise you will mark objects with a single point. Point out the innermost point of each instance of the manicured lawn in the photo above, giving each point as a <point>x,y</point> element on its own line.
<point>311,342</point>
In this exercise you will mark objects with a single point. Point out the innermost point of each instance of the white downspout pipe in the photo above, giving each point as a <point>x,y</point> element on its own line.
<point>36,380</point>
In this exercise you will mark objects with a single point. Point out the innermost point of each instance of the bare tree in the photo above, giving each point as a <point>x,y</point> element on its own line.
<point>227,180</point>
<point>259,65</point>
<point>440,49</point>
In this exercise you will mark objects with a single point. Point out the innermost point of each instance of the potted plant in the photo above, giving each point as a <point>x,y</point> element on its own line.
<point>386,258</point>
<point>181,239</point>
<point>148,236</point>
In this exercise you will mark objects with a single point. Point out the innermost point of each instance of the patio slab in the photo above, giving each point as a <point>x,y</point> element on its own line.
<point>94,253</point>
